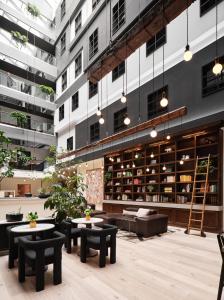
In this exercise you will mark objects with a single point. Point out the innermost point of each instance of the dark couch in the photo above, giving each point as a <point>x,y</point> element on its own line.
<point>147,226</point>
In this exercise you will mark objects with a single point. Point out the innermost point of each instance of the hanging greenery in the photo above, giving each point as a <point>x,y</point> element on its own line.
<point>46,89</point>
<point>19,38</point>
<point>20,117</point>
<point>52,155</point>
<point>33,10</point>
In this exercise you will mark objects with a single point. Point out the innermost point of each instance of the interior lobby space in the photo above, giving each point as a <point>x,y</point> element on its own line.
<point>112,149</point>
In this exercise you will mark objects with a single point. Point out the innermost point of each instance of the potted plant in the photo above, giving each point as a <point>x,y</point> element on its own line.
<point>150,188</point>
<point>107,176</point>
<point>19,38</point>
<point>87,213</point>
<point>33,10</point>
<point>46,89</point>
<point>14,216</point>
<point>202,166</point>
<point>32,218</point>
<point>43,193</point>
<point>20,118</point>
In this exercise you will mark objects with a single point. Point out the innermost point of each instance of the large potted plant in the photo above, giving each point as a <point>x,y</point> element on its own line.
<point>19,38</point>
<point>20,118</point>
<point>46,89</point>
<point>14,216</point>
<point>33,10</point>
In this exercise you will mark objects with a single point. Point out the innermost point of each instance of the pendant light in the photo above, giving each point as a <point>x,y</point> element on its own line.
<point>98,112</point>
<point>101,120</point>
<point>127,120</point>
<point>153,133</point>
<point>164,167</point>
<point>181,161</point>
<point>136,156</point>
<point>123,98</point>
<point>164,100</point>
<point>133,165</point>
<point>152,155</point>
<point>217,68</point>
<point>187,54</point>
<point>168,137</point>
<point>147,169</point>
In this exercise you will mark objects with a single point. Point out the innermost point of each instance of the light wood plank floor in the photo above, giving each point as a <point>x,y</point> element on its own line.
<point>174,266</point>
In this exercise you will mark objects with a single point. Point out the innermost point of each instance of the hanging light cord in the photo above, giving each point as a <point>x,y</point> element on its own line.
<point>139,78</point>
<point>163,51</point>
<point>216,29</point>
<point>126,67</point>
<point>187,24</point>
<point>153,71</point>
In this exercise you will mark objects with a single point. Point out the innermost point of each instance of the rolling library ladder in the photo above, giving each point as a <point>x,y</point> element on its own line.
<point>196,216</point>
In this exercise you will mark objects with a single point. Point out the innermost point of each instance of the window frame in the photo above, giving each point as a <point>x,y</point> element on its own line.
<point>63,9</point>
<point>156,40</point>
<point>63,43</point>
<point>79,26</point>
<point>95,129</point>
<point>118,71</point>
<point>70,140</point>
<point>64,81</point>
<point>75,101</point>
<point>210,7</point>
<point>93,43</point>
<point>156,96</point>
<point>121,15</point>
<point>78,70</point>
<point>93,91</point>
<point>94,4</point>
<point>61,112</point>
<point>119,117</point>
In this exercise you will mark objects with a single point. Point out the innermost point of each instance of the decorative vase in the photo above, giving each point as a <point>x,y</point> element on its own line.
<point>33,224</point>
<point>87,217</point>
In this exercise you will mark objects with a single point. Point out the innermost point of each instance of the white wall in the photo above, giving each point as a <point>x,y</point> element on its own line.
<point>201,34</point>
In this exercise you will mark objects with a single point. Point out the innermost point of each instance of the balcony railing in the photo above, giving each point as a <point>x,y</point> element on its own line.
<point>31,124</point>
<point>12,82</point>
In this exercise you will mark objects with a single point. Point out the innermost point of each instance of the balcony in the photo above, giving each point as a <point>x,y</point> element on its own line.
<point>32,124</point>
<point>25,87</point>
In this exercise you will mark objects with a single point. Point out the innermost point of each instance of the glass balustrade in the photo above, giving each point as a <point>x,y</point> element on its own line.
<point>31,123</point>
<point>13,82</point>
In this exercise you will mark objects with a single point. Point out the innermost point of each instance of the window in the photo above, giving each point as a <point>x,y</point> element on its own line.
<point>93,44</point>
<point>93,89</point>
<point>78,65</point>
<point>94,3</point>
<point>61,112</point>
<point>155,42</point>
<point>94,132</point>
<point>63,43</point>
<point>210,82</point>
<point>118,15</point>
<point>118,71</point>
<point>119,117</point>
<point>206,5</point>
<point>75,101</point>
<point>154,108</point>
<point>78,22</point>
<point>70,143</point>
<point>63,7</point>
<point>64,81</point>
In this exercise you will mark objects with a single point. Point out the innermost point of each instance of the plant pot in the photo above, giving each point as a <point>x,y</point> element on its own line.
<point>88,217</point>
<point>43,196</point>
<point>33,224</point>
<point>13,217</point>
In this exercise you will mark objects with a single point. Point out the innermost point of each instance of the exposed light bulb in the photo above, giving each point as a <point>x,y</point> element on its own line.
<point>164,100</point>
<point>98,113</point>
<point>168,137</point>
<point>153,133</point>
<point>217,69</point>
<point>123,98</point>
<point>122,167</point>
<point>188,54</point>
<point>127,121</point>
<point>101,120</point>
<point>147,169</point>
<point>112,159</point>
<point>124,173</point>
<point>181,162</point>
<point>136,155</point>
<point>133,165</point>
<point>164,168</point>
<point>152,155</point>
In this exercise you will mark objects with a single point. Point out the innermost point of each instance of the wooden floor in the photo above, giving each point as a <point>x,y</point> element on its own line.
<point>174,266</point>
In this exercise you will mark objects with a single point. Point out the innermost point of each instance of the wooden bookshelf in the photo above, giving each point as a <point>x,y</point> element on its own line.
<point>152,173</point>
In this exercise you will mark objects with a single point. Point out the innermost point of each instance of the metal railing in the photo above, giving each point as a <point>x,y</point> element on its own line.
<point>31,124</point>
<point>12,82</point>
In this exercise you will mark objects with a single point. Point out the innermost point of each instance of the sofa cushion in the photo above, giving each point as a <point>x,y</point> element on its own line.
<point>143,212</point>
<point>129,213</point>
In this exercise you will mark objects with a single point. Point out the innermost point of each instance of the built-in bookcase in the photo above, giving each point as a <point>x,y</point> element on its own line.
<point>164,172</point>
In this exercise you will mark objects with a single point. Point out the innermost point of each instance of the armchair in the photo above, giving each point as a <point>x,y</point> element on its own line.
<point>72,233</point>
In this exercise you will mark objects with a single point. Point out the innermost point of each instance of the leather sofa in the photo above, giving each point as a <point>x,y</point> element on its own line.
<point>146,226</point>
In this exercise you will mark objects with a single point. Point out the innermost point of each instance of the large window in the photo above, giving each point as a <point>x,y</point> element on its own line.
<point>118,15</point>
<point>93,89</point>
<point>94,132</point>
<point>94,3</point>
<point>119,117</point>
<point>93,44</point>
<point>63,43</point>
<point>154,107</point>
<point>63,9</point>
<point>155,42</point>
<point>75,101</point>
<point>206,5</point>
<point>61,112</point>
<point>118,71</point>
<point>78,22</point>
<point>70,143</point>
<point>210,82</point>
<point>64,81</point>
<point>78,65</point>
